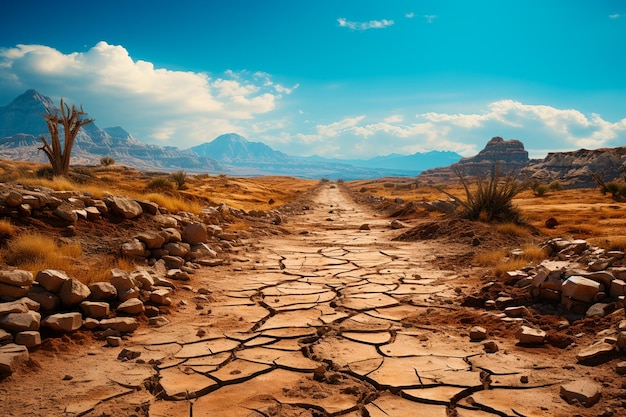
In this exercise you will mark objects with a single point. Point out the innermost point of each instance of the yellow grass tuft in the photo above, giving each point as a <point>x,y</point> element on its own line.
<point>173,203</point>
<point>512,229</point>
<point>34,251</point>
<point>509,265</point>
<point>609,242</point>
<point>533,253</point>
<point>6,228</point>
<point>489,258</point>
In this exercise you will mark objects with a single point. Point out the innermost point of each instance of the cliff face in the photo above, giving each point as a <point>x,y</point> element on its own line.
<point>510,155</point>
<point>574,169</point>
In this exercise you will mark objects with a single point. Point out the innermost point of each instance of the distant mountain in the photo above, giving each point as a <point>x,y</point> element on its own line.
<point>21,124</point>
<point>235,149</point>
<point>415,163</point>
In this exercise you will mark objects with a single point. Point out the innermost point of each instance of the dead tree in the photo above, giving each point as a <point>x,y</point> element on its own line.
<point>70,119</point>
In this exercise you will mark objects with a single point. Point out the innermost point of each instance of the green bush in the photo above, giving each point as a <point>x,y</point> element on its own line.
<point>107,161</point>
<point>180,178</point>
<point>490,199</point>
<point>160,184</point>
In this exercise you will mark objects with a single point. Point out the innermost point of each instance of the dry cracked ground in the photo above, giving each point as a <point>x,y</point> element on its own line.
<point>330,319</point>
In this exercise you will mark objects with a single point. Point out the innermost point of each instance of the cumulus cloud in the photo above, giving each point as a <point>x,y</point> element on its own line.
<point>372,24</point>
<point>155,104</point>
<point>541,128</point>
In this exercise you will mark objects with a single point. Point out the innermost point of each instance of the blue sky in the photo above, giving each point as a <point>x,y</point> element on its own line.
<point>347,79</point>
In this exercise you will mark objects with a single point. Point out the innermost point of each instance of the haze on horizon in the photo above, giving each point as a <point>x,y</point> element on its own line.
<point>349,79</point>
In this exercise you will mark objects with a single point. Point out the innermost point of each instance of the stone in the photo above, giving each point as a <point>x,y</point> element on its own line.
<point>133,306</point>
<point>17,278</point>
<point>66,212</point>
<point>47,301</point>
<point>121,280</point>
<point>128,294</point>
<point>620,368</point>
<point>173,234</point>
<point>31,304</point>
<point>52,280</point>
<point>92,213</point>
<point>11,356</point>
<point>529,336</point>
<point>149,207</point>
<point>30,338</point>
<point>195,233</point>
<point>11,291</point>
<point>134,249</point>
<point>128,209</point>
<point>600,310</point>
<point>517,311</point>
<point>158,321</point>
<point>173,262</point>
<point>90,323</point>
<point>585,392</point>
<point>161,297</point>
<point>144,280</point>
<point>113,341</point>
<point>364,226</point>
<point>128,354</point>
<point>151,239</point>
<point>594,353</point>
<point>13,307</point>
<point>19,322</point>
<point>121,324</point>
<point>180,249</point>
<point>618,287</point>
<point>178,275</point>
<point>101,291</point>
<point>95,309</point>
<point>478,333</point>
<point>73,292</point>
<point>5,337</point>
<point>621,341</point>
<point>13,199</point>
<point>63,322</point>
<point>490,346</point>
<point>580,288</point>
<point>397,224</point>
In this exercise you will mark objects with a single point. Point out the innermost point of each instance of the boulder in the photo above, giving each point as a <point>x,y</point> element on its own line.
<point>92,213</point>
<point>177,249</point>
<point>478,333</point>
<point>124,296</point>
<point>73,292</point>
<point>52,280</point>
<point>95,309</point>
<point>11,291</point>
<point>529,336</point>
<point>121,280</point>
<point>585,392</point>
<point>173,234</point>
<point>151,239</point>
<point>66,212</point>
<point>144,280</point>
<point>11,356</point>
<point>29,338</point>
<point>134,249</point>
<point>16,278</point>
<point>149,207</point>
<point>132,306</point>
<point>596,352</point>
<point>47,300</point>
<point>13,199</point>
<point>618,288</point>
<point>101,291</point>
<point>195,233</point>
<point>5,337</point>
<point>173,262</point>
<point>64,322</point>
<point>13,307</point>
<point>19,322</point>
<point>161,297</point>
<point>128,209</point>
<point>580,288</point>
<point>120,324</point>
<point>178,275</point>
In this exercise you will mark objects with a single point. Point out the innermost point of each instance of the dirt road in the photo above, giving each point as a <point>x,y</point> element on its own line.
<point>332,319</point>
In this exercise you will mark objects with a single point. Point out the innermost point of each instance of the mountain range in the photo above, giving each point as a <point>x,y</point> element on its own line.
<point>21,124</point>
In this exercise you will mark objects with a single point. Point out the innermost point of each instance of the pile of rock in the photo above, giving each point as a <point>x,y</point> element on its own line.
<point>584,279</point>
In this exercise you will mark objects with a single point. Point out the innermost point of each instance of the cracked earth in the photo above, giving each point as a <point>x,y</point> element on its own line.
<point>327,320</point>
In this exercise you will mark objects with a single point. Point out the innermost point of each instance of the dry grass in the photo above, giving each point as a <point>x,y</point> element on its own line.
<point>6,228</point>
<point>610,242</point>
<point>174,203</point>
<point>512,230</point>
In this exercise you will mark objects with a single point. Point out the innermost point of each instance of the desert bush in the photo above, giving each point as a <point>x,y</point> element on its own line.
<point>555,186</point>
<point>107,161</point>
<point>180,179</point>
<point>340,181</point>
<point>324,180</point>
<point>491,199</point>
<point>160,184</point>
<point>389,185</point>
<point>512,229</point>
<point>539,189</point>
<point>363,190</point>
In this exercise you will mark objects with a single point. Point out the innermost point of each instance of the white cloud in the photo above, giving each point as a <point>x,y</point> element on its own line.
<point>372,24</point>
<point>615,16</point>
<point>430,18</point>
<point>409,15</point>
<point>154,104</point>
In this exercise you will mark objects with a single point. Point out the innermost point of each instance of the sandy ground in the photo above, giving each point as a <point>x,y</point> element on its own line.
<point>331,318</point>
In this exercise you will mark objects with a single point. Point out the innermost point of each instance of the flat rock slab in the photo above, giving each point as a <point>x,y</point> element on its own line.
<point>388,405</point>
<point>423,370</point>
<point>306,318</point>
<point>11,356</point>
<point>528,402</point>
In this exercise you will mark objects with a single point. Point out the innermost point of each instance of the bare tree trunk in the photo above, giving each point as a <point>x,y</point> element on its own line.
<point>70,119</point>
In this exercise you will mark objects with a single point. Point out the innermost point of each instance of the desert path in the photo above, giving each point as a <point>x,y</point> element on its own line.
<point>331,318</point>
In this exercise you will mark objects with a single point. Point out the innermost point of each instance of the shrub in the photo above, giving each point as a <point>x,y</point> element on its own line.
<point>180,178</point>
<point>34,251</point>
<point>6,228</point>
<point>107,161</point>
<point>160,184</point>
<point>491,199</point>
<point>555,186</point>
<point>174,204</point>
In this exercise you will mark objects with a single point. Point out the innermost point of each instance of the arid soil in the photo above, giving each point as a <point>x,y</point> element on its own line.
<point>331,318</point>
